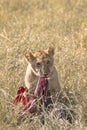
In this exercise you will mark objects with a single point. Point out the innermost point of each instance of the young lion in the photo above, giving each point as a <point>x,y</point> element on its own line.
<point>41,63</point>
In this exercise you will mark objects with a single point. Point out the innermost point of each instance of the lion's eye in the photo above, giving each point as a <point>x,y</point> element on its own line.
<point>48,62</point>
<point>38,64</point>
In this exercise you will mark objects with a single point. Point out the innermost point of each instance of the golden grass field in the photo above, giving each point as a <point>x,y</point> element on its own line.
<point>38,24</point>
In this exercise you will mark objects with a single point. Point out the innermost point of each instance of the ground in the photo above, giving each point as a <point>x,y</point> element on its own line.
<point>38,24</point>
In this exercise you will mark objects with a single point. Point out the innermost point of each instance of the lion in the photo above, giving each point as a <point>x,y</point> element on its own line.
<point>41,63</point>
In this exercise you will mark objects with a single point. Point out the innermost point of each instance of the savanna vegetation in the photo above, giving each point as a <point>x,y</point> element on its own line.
<point>38,24</point>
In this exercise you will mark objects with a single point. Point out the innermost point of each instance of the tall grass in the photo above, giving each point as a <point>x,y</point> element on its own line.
<point>38,24</point>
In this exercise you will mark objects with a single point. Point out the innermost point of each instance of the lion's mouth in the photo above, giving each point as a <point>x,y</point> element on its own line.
<point>46,75</point>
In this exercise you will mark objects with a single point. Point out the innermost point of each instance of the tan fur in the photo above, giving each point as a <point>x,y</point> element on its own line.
<point>39,64</point>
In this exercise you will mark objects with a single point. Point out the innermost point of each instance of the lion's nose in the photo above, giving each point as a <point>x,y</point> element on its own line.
<point>45,70</point>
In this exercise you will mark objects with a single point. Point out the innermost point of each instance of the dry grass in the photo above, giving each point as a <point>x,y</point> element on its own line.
<point>38,24</point>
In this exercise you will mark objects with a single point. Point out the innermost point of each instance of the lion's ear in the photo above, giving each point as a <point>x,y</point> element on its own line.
<point>50,51</point>
<point>29,56</point>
